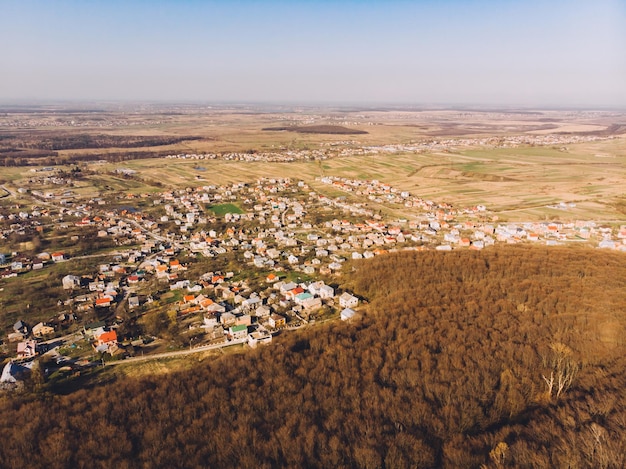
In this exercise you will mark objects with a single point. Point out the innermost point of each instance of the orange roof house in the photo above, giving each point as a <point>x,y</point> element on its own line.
<point>108,338</point>
<point>58,256</point>
<point>105,301</point>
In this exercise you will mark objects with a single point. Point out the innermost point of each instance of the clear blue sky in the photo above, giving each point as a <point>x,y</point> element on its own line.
<point>508,52</point>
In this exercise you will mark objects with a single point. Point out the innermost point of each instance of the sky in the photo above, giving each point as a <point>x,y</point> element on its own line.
<point>563,53</point>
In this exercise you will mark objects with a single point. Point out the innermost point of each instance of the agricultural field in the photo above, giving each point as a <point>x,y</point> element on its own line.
<point>515,183</point>
<point>519,164</point>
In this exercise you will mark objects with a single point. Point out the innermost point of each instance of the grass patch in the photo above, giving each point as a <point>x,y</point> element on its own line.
<point>223,209</point>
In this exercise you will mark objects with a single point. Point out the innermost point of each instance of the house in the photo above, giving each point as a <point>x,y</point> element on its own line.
<point>244,319</point>
<point>314,287</point>
<point>106,342</point>
<point>347,313</point>
<point>276,320</point>
<point>285,287</point>
<point>271,278</point>
<point>291,294</point>
<point>94,329</point>
<point>210,321</point>
<point>308,301</point>
<point>133,302</point>
<point>251,303</point>
<point>238,332</point>
<point>259,337</point>
<point>21,327</point>
<point>263,311</point>
<point>161,271</point>
<point>215,307</point>
<point>58,256</point>
<point>41,329</point>
<point>228,319</point>
<point>70,282</point>
<point>107,338</point>
<point>26,349</point>
<point>326,292</point>
<point>103,302</point>
<point>96,286</point>
<point>346,300</point>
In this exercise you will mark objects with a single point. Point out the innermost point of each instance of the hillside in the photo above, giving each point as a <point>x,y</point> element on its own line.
<point>448,367</point>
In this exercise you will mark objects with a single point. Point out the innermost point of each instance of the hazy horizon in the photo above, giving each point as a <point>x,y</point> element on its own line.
<point>452,53</point>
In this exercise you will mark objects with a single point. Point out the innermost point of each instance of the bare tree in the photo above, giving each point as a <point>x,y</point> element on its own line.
<point>563,368</point>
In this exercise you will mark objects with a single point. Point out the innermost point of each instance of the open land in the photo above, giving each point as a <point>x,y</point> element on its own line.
<point>162,238</point>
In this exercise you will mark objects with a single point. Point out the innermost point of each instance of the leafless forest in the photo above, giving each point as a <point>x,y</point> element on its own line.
<point>511,357</point>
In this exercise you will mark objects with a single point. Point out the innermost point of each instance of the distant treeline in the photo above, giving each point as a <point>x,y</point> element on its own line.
<point>318,129</point>
<point>72,141</point>
<point>19,150</point>
<point>39,158</point>
<point>449,366</point>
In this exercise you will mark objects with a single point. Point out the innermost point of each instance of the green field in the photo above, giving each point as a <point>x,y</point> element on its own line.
<point>222,209</point>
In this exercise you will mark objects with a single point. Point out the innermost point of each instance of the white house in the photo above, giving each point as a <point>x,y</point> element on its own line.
<point>346,314</point>
<point>346,300</point>
<point>239,331</point>
<point>259,337</point>
<point>70,282</point>
<point>326,292</point>
<point>263,311</point>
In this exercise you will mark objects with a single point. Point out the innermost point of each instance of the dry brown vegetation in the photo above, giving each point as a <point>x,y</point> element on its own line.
<point>446,368</point>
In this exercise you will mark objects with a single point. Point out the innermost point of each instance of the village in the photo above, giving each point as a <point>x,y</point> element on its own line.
<point>219,265</point>
<point>425,145</point>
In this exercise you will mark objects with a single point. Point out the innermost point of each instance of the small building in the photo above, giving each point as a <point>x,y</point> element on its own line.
<point>70,282</point>
<point>228,319</point>
<point>276,321</point>
<point>133,302</point>
<point>347,313</point>
<point>238,332</point>
<point>107,338</point>
<point>106,342</point>
<point>26,349</point>
<point>308,301</point>
<point>346,300</point>
<point>58,256</point>
<point>41,329</point>
<point>103,302</point>
<point>326,292</point>
<point>21,327</point>
<point>259,337</point>
<point>244,319</point>
<point>94,329</point>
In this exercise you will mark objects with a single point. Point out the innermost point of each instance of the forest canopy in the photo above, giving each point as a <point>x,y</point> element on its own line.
<point>449,365</point>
